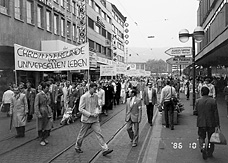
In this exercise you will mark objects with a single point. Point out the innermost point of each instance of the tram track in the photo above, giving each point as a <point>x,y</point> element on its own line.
<point>89,133</point>
<point>53,130</point>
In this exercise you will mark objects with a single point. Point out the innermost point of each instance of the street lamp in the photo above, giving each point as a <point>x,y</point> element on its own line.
<point>197,36</point>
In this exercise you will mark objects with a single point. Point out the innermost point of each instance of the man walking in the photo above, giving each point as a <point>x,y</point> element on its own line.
<point>207,120</point>
<point>89,108</point>
<point>166,94</point>
<point>150,99</point>
<point>18,111</point>
<point>133,116</point>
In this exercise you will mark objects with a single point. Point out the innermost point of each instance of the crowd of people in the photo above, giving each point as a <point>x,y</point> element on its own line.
<point>53,100</point>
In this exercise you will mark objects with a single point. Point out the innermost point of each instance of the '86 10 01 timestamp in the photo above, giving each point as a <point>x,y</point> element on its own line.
<point>180,145</point>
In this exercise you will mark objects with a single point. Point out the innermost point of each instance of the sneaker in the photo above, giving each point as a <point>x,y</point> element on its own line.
<point>107,152</point>
<point>78,150</point>
<point>42,143</point>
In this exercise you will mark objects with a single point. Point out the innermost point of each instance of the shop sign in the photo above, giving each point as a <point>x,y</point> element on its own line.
<point>92,59</point>
<point>179,60</point>
<point>27,59</point>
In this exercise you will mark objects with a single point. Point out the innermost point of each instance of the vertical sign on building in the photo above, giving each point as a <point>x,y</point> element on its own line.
<point>82,22</point>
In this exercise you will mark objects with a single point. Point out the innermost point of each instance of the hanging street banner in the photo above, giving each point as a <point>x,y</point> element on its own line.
<point>107,70</point>
<point>71,59</point>
<point>179,60</point>
<point>178,51</point>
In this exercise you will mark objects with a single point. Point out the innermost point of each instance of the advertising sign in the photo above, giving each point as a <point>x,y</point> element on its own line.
<point>32,60</point>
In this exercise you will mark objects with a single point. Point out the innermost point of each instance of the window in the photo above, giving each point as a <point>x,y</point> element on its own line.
<point>108,52</point>
<point>97,28</point>
<point>73,7</point>
<point>4,6</point>
<point>91,3</point>
<point>56,20</point>
<point>68,5</point>
<point>113,14</point>
<point>48,20</point>
<point>91,44</point>
<point>113,28</point>
<point>30,9</point>
<point>98,47</point>
<point>56,1</point>
<point>90,23</point>
<point>97,8</point>
<point>74,32</point>
<point>18,9</point>
<point>39,16</point>
<point>103,14</point>
<point>62,25</point>
<point>103,32</point>
<point>68,29</point>
<point>109,36</point>
<point>109,19</point>
<point>62,3</point>
<point>103,50</point>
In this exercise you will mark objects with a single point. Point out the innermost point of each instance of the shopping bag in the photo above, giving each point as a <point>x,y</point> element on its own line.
<point>218,138</point>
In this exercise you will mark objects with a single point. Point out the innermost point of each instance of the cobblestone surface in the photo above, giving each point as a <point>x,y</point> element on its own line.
<point>59,140</point>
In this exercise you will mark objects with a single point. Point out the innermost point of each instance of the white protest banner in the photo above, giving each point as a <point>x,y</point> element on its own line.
<point>107,70</point>
<point>121,69</point>
<point>33,60</point>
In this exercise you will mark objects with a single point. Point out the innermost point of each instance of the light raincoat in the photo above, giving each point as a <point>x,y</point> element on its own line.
<point>19,110</point>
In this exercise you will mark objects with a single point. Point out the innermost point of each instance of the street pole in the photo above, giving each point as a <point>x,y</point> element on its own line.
<point>194,73</point>
<point>180,70</point>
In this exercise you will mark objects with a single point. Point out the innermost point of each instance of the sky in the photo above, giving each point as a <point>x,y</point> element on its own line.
<point>162,19</point>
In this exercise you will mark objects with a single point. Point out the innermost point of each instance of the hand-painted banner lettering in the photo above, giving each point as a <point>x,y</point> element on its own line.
<point>33,60</point>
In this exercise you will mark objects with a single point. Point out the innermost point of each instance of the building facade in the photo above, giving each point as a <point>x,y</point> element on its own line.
<point>32,23</point>
<point>212,51</point>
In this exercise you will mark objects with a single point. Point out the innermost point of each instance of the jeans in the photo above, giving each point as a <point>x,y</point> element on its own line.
<point>97,129</point>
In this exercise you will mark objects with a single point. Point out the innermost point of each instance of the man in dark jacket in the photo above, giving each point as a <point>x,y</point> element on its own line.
<point>207,120</point>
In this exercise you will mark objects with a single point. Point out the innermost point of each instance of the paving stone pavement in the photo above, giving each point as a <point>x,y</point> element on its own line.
<point>59,139</point>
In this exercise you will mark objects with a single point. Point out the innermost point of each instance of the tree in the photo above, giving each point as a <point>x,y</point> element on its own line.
<point>156,66</point>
